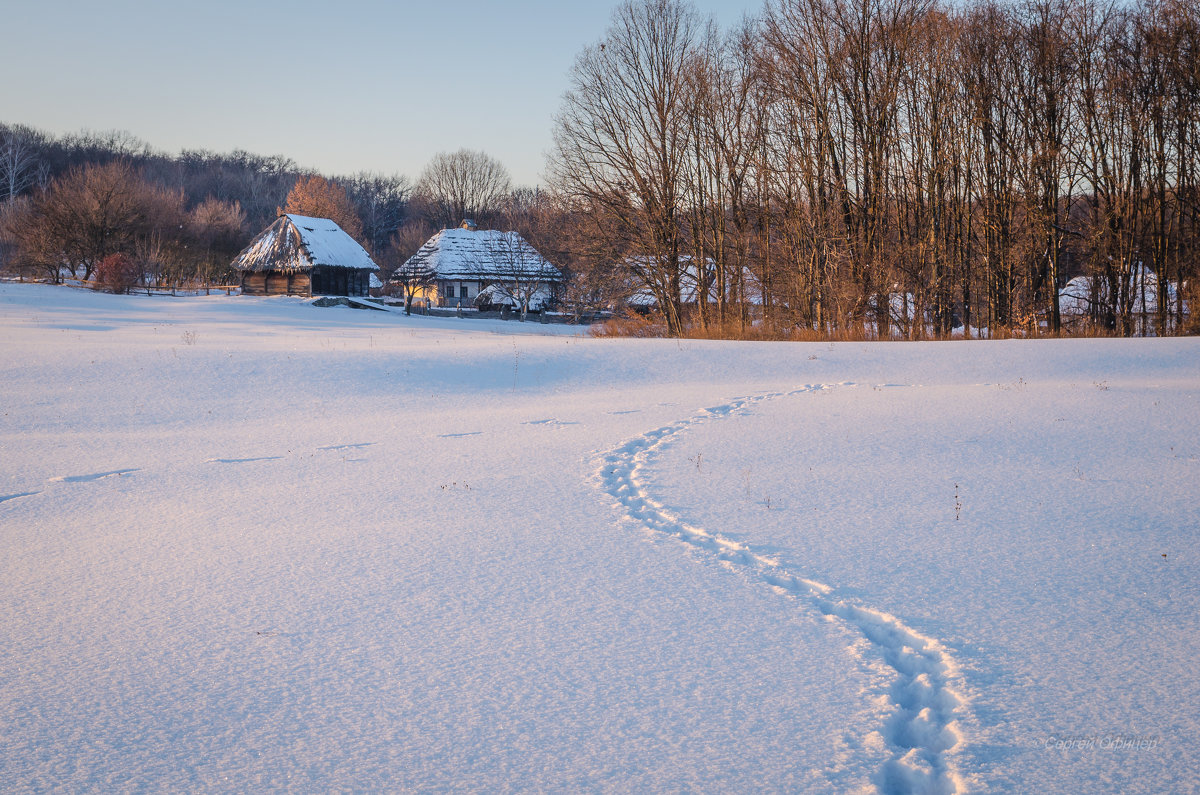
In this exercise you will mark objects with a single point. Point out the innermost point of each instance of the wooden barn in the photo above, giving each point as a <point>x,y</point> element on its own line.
<point>298,255</point>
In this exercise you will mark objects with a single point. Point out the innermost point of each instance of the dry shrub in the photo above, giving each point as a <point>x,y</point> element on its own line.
<point>317,197</point>
<point>776,330</point>
<point>733,330</point>
<point>116,273</point>
<point>630,325</point>
<point>844,334</point>
<point>653,325</point>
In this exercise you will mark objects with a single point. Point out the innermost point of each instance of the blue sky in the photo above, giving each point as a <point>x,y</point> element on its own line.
<point>339,87</point>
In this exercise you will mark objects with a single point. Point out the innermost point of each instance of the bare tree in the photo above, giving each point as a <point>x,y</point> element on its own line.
<point>521,275</point>
<point>18,236</point>
<point>406,271</point>
<point>729,125</point>
<point>463,184</point>
<point>216,230</point>
<point>21,164</point>
<point>984,44</point>
<point>82,217</point>
<point>621,138</point>
<point>588,244</point>
<point>381,201</point>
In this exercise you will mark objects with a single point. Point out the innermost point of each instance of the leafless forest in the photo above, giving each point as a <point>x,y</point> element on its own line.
<point>892,168</point>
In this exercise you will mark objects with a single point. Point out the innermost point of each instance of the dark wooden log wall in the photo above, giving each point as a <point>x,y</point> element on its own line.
<point>276,283</point>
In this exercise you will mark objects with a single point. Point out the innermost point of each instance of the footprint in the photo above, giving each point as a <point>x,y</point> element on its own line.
<point>242,460</point>
<point>356,446</point>
<point>94,476</point>
<point>459,435</point>
<point>552,423</point>
<point>927,710</point>
<point>7,497</point>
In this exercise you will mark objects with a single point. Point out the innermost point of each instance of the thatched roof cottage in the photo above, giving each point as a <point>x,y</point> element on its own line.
<point>299,255</point>
<point>469,266</point>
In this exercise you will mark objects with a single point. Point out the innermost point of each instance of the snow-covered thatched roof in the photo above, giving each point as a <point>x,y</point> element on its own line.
<point>689,283</point>
<point>298,243</point>
<point>480,254</point>
<point>1077,297</point>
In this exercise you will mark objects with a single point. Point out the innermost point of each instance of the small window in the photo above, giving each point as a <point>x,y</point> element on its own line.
<point>449,290</point>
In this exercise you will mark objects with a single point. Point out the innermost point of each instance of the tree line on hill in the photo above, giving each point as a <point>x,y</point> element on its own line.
<point>67,203</point>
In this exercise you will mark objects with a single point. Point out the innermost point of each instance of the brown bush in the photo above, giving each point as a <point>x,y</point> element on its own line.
<point>317,197</point>
<point>732,330</point>
<point>630,325</point>
<point>117,273</point>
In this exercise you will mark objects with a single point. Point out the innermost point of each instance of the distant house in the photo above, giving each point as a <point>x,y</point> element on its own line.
<point>642,298</point>
<point>298,255</point>
<point>488,268</point>
<point>1084,298</point>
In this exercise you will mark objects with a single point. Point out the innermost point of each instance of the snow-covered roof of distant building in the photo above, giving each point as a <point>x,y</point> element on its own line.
<point>689,283</point>
<point>480,254</point>
<point>1077,296</point>
<point>299,243</point>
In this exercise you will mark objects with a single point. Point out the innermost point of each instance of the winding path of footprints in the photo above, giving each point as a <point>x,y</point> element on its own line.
<point>927,707</point>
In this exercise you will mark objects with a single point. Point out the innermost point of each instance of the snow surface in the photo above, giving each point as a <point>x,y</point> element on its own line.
<point>252,544</point>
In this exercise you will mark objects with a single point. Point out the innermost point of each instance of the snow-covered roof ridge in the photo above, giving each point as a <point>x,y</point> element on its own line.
<point>480,254</point>
<point>300,243</point>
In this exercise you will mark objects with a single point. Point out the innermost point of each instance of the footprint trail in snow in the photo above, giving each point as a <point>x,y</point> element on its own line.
<point>923,729</point>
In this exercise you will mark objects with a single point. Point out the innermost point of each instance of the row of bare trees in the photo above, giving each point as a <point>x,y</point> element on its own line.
<point>900,167</point>
<point>91,213</point>
<point>237,186</point>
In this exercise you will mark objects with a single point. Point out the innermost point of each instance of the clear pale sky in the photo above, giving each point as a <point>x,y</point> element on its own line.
<point>338,87</point>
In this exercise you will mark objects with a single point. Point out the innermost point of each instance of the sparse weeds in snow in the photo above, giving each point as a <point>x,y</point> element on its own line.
<point>456,486</point>
<point>957,504</point>
<point>1018,386</point>
<point>697,460</point>
<point>1101,385</point>
<point>748,482</point>
<point>188,337</point>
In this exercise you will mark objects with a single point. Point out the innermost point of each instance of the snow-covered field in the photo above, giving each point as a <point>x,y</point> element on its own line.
<point>251,544</point>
